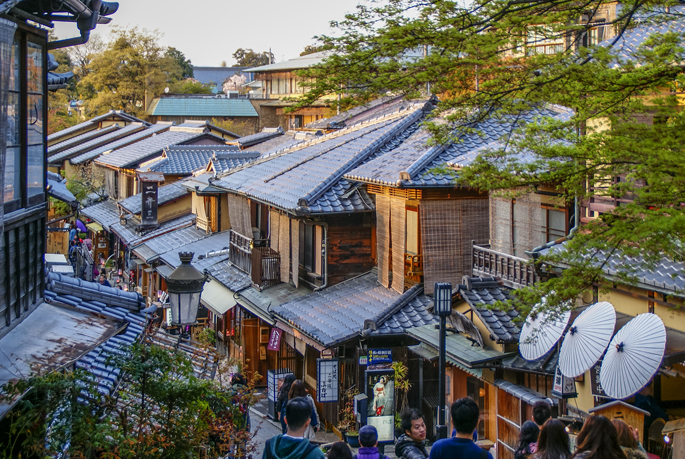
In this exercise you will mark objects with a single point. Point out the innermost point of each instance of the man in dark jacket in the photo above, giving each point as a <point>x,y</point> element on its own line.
<point>412,443</point>
<point>292,444</point>
<point>465,415</point>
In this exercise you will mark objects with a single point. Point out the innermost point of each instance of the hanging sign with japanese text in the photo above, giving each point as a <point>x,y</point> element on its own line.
<point>148,214</point>
<point>275,339</point>
<point>327,380</point>
<point>597,389</point>
<point>563,387</point>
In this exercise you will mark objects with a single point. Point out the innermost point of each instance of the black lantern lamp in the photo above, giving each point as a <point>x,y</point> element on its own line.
<point>185,287</point>
<point>442,297</point>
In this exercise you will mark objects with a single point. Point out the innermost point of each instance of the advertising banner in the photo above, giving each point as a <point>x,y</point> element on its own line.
<point>275,339</point>
<point>379,356</point>
<point>380,390</point>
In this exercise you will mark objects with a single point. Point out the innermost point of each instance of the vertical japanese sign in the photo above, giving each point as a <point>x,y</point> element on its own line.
<point>148,214</point>
<point>597,389</point>
<point>563,387</point>
<point>380,390</point>
<point>327,380</point>
<point>275,340</point>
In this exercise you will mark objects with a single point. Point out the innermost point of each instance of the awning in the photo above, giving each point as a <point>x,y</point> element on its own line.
<point>96,227</point>
<point>428,353</point>
<point>164,271</point>
<point>217,298</point>
<point>524,393</point>
<point>459,349</point>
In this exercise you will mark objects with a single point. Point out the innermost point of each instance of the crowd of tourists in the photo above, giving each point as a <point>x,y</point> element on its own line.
<point>540,438</point>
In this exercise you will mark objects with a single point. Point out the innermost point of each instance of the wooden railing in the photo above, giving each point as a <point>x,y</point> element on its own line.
<point>240,253</point>
<point>255,257</point>
<point>204,224</point>
<point>515,272</point>
<point>413,266</point>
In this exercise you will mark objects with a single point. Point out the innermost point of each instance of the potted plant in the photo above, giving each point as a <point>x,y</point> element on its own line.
<point>348,422</point>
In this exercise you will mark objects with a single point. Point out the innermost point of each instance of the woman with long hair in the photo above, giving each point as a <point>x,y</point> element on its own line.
<point>298,390</point>
<point>598,439</point>
<point>529,434</point>
<point>283,399</point>
<point>339,450</point>
<point>553,442</point>
<point>629,440</point>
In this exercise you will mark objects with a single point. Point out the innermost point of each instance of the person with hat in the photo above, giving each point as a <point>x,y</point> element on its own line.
<point>368,439</point>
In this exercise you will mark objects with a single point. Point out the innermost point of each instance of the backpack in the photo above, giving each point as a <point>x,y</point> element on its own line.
<point>267,450</point>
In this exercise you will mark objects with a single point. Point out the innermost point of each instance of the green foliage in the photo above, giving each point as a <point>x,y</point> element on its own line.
<point>348,421</point>
<point>190,86</point>
<point>162,410</point>
<point>250,58</point>
<point>402,386</point>
<point>242,128</point>
<point>184,63</point>
<point>480,58</point>
<point>133,69</point>
<point>311,49</point>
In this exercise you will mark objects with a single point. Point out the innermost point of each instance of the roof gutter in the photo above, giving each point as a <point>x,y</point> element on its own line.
<point>87,20</point>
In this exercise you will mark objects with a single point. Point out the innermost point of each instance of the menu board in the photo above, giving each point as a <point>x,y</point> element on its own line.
<point>328,380</point>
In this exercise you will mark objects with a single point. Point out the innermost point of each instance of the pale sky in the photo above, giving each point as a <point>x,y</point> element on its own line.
<point>209,31</point>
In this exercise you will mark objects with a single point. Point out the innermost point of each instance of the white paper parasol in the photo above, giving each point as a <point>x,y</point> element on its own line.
<point>541,332</point>
<point>587,339</point>
<point>634,356</point>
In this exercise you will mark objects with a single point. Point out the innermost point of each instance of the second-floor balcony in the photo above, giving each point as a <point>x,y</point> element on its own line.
<point>515,272</point>
<point>256,258</point>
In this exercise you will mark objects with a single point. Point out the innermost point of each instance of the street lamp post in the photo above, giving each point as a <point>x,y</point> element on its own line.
<point>185,287</point>
<point>443,306</point>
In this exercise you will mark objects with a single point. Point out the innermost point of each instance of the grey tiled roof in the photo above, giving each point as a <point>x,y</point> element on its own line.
<point>105,213</point>
<point>132,238</point>
<point>358,114</point>
<point>185,159</point>
<point>486,291</point>
<point>261,303</point>
<point>307,178</point>
<point>231,277</point>
<point>218,75</point>
<point>657,21</point>
<point>413,163</point>
<point>667,277</point>
<point>55,148</point>
<point>132,155</point>
<point>106,137</point>
<point>276,144</point>
<point>414,314</point>
<point>546,364</point>
<point>120,143</point>
<point>216,241</point>
<point>258,138</point>
<point>165,194</point>
<point>79,296</point>
<point>158,246</point>
<point>93,123</point>
<point>338,313</point>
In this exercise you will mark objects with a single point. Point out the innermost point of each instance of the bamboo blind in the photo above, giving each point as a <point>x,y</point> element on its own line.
<point>500,228</point>
<point>527,224</point>
<point>398,229</point>
<point>447,229</point>
<point>295,237</point>
<point>442,251</point>
<point>198,204</point>
<point>383,238</point>
<point>239,213</point>
<point>274,235</point>
<point>476,227</point>
<point>284,243</point>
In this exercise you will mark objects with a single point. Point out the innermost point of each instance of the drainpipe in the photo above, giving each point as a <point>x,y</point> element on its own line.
<point>325,258</point>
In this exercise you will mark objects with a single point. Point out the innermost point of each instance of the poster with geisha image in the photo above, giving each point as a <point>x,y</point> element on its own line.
<point>380,390</point>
